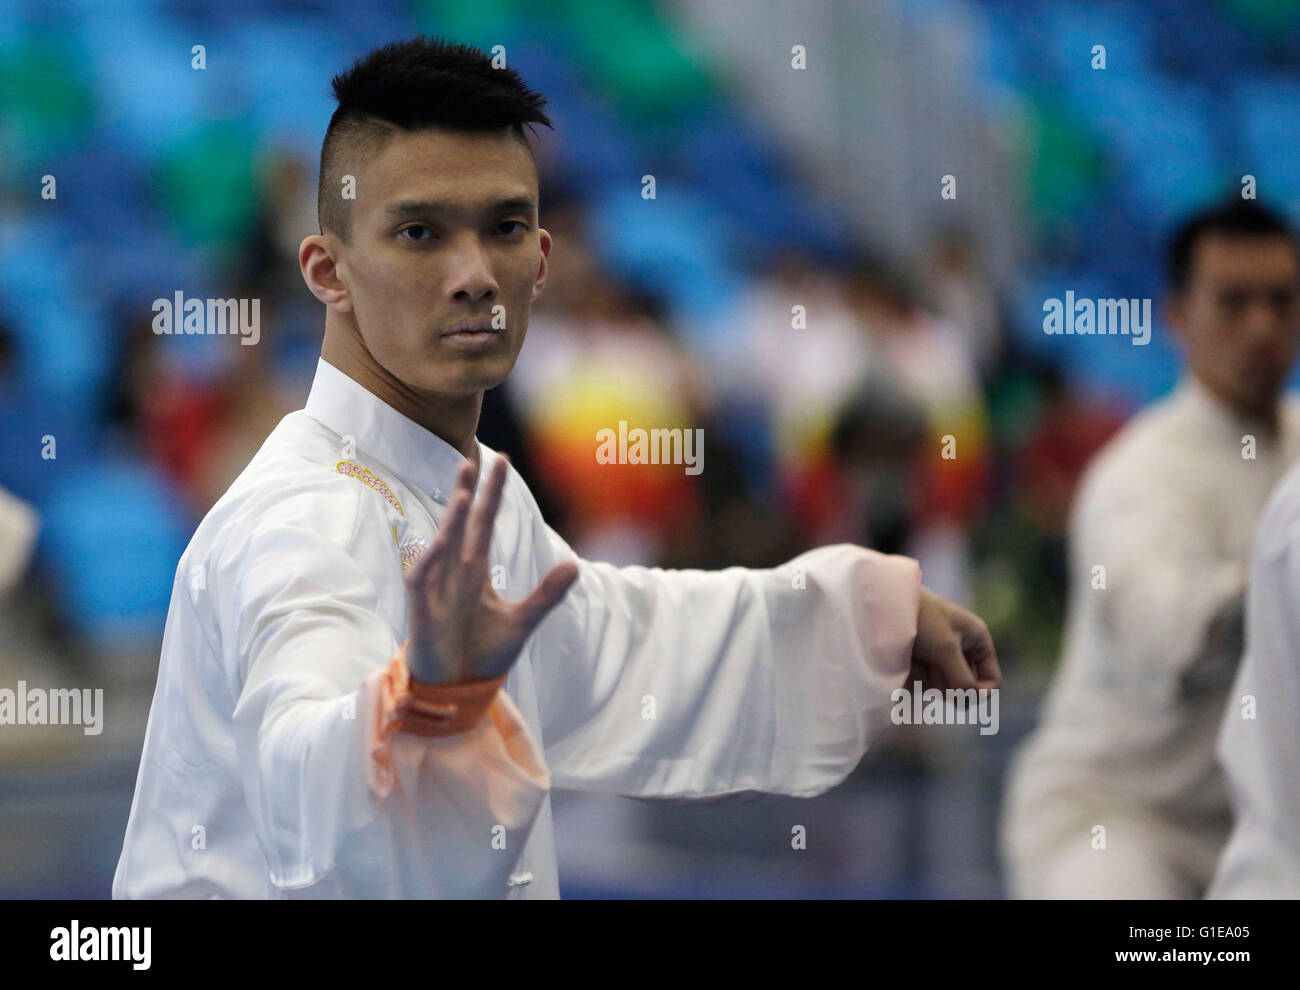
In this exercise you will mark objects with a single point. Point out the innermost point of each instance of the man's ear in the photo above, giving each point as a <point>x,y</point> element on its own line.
<point>317,259</point>
<point>544,239</point>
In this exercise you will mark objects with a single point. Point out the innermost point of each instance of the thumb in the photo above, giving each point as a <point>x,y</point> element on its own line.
<point>548,593</point>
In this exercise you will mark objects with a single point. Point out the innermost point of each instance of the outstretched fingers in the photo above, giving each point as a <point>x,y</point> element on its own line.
<point>548,593</point>
<point>450,539</point>
<point>479,537</point>
<point>429,570</point>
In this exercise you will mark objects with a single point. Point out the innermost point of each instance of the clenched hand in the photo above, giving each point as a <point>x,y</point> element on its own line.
<point>953,648</point>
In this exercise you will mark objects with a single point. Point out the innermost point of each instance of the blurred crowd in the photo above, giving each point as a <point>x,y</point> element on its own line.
<point>846,401</point>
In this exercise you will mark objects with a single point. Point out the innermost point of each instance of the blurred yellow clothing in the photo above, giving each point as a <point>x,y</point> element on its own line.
<point>575,383</point>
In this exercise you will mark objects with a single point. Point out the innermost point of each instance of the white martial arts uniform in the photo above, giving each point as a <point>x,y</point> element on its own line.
<point>264,772</point>
<point>1261,755</point>
<point>1126,740</point>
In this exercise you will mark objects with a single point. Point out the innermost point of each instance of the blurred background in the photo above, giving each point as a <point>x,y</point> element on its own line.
<point>776,186</point>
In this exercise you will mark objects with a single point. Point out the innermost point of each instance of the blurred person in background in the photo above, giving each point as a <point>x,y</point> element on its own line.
<point>866,490</point>
<point>200,429</point>
<point>599,354</point>
<point>965,298</point>
<point>269,260</point>
<point>802,354</point>
<point>1117,794</point>
<point>789,360</point>
<point>932,365</point>
<point>254,400</point>
<point>1069,428</point>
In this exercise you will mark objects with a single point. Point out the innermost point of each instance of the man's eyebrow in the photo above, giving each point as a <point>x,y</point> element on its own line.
<point>412,207</point>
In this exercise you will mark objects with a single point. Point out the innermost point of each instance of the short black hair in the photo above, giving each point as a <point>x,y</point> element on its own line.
<point>411,86</point>
<point>1234,217</point>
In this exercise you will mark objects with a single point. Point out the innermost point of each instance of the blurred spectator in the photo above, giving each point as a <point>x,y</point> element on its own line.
<point>798,353</point>
<point>1118,793</point>
<point>606,359</point>
<point>200,429</point>
<point>1069,430</point>
<point>269,261</point>
<point>868,486</point>
<point>933,368</point>
<point>965,298</point>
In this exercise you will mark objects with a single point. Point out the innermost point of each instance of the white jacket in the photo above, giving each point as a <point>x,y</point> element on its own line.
<point>1260,743</point>
<point>265,773</point>
<point>1168,509</point>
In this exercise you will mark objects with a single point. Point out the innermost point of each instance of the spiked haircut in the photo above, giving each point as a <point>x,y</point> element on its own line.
<point>412,86</point>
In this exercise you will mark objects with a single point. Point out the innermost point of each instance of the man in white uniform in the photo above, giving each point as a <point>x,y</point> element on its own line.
<point>1259,745</point>
<point>1118,794</point>
<point>329,719</point>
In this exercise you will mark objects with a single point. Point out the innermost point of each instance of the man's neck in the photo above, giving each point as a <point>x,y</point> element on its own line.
<point>1263,417</point>
<point>451,418</point>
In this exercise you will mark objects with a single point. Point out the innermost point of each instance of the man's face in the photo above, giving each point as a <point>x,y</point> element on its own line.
<point>444,234</point>
<point>1239,316</point>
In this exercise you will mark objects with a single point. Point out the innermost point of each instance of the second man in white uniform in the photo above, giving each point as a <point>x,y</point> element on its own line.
<point>1118,793</point>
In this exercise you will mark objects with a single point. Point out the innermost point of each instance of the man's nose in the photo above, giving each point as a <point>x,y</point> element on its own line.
<point>1261,317</point>
<point>470,278</point>
<point>1262,331</point>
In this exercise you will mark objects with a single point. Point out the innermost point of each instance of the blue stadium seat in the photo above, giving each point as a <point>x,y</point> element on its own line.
<point>146,90</point>
<point>678,246</point>
<point>112,534</point>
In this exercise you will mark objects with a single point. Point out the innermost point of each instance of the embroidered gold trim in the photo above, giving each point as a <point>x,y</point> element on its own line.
<point>368,477</point>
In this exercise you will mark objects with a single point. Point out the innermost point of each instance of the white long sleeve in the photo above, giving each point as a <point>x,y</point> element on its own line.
<point>310,627</point>
<point>270,765</point>
<point>1259,754</point>
<point>691,683</point>
<point>285,625</point>
<point>1157,550</point>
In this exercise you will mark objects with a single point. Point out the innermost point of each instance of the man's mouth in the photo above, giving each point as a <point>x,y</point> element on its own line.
<point>473,335</point>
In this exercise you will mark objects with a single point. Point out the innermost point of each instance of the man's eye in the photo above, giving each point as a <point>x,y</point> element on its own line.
<point>416,232</point>
<point>522,227</point>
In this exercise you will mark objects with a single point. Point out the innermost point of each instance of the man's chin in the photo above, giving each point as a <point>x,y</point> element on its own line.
<point>464,377</point>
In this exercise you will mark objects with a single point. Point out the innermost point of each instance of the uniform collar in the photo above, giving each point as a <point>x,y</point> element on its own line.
<point>1219,415</point>
<point>420,459</point>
